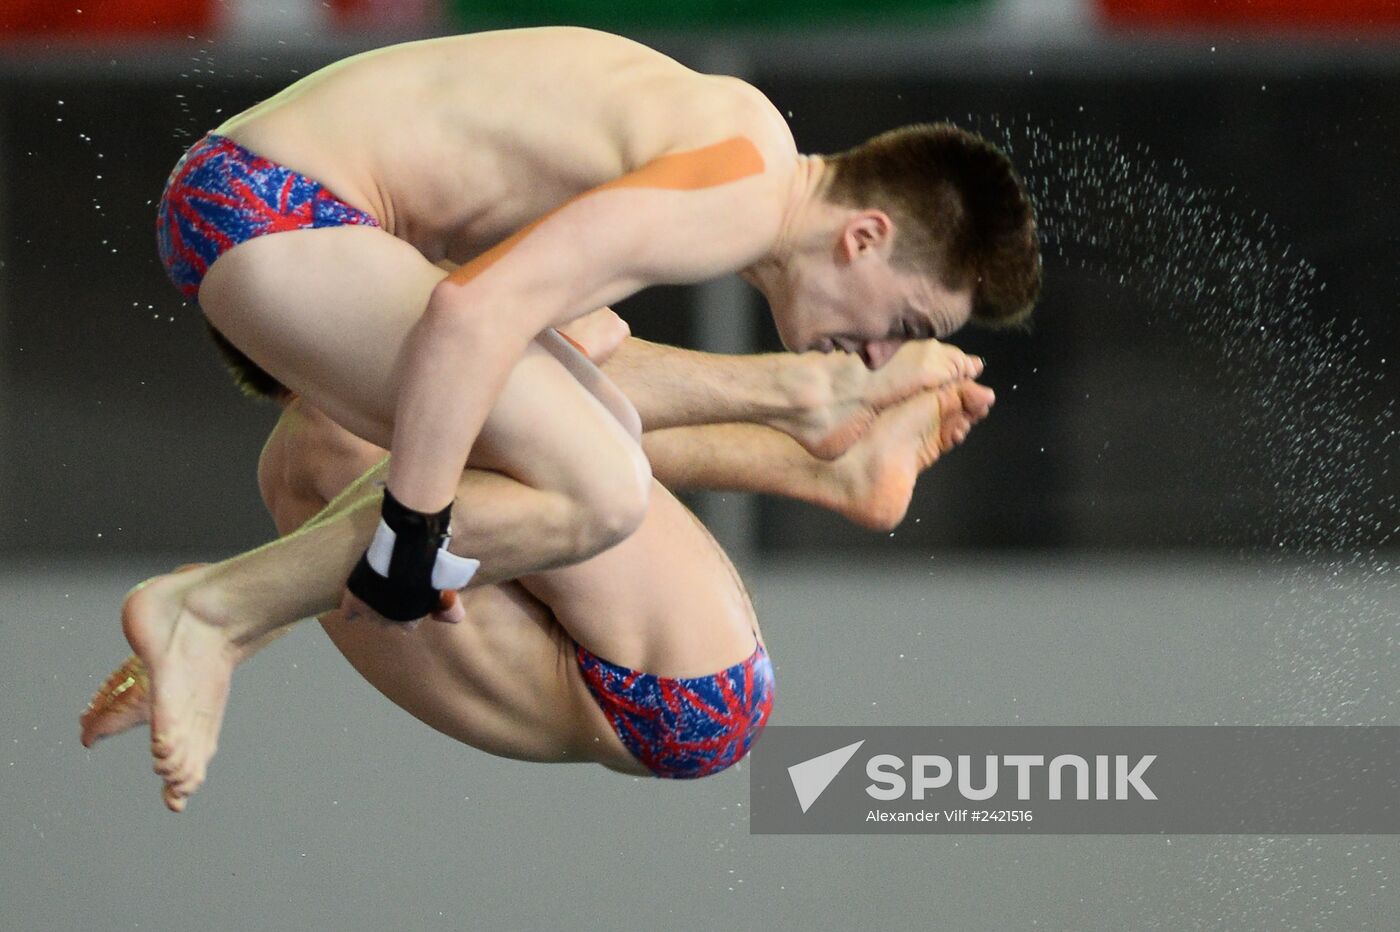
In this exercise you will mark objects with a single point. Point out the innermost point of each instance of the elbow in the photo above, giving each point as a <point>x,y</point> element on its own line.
<point>458,315</point>
<point>448,310</point>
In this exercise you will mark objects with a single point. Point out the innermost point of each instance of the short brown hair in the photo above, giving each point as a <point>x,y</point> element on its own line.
<point>960,211</point>
<point>251,380</point>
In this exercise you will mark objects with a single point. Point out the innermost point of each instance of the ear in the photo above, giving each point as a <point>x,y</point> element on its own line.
<point>871,229</point>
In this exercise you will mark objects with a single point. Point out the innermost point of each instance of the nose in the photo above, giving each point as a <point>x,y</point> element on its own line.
<point>878,352</point>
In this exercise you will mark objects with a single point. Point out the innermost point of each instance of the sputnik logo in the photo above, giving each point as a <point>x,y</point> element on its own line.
<point>811,777</point>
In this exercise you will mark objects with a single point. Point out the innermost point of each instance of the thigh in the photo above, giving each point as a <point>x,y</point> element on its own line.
<point>504,680</point>
<point>665,600</point>
<point>327,312</point>
<point>546,425</point>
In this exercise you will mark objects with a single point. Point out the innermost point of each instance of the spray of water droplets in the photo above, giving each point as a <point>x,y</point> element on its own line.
<point>1315,424</point>
<point>1317,427</point>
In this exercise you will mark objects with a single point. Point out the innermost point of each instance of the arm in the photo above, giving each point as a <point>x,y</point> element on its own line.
<point>681,218</point>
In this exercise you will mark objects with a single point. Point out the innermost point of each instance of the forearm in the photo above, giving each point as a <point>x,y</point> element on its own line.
<point>454,368</point>
<point>673,387</point>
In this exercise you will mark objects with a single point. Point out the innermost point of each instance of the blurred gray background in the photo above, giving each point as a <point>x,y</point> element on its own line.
<point>1180,511</point>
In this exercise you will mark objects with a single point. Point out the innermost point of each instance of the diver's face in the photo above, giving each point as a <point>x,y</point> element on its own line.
<point>866,307</point>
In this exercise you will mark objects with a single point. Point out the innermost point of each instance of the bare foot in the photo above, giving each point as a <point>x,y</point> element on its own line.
<point>842,399</point>
<point>190,662</point>
<point>121,703</point>
<point>875,478</point>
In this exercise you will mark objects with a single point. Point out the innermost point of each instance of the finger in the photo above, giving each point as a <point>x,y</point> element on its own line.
<point>450,611</point>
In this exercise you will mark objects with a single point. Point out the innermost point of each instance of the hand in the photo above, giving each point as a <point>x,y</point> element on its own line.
<point>837,398</point>
<point>450,612</point>
<point>598,334</point>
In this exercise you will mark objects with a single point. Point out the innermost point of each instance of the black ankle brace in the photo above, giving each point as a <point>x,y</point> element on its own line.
<point>407,565</point>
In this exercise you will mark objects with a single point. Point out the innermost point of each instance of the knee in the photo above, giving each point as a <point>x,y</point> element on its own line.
<point>610,510</point>
<point>626,414</point>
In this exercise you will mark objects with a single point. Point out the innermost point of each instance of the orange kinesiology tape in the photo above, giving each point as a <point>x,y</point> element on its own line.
<point>733,159</point>
<point>572,342</point>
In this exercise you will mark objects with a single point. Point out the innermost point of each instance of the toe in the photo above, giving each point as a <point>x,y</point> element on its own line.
<point>165,758</point>
<point>167,768</point>
<point>186,788</point>
<point>174,765</point>
<point>173,801</point>
<point>164,741</point>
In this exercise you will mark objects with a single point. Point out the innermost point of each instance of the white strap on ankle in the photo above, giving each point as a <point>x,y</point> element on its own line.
<point>449,570</point>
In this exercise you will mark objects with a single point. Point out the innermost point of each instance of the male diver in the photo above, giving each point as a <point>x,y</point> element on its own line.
<point>610,660</point>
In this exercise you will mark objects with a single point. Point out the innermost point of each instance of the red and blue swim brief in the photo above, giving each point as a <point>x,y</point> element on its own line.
<point>221,194</point>
<point>683,727</point>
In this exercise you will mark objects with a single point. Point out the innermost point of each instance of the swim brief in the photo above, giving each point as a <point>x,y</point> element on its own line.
<point>221,194</point>
<point>683,727</point>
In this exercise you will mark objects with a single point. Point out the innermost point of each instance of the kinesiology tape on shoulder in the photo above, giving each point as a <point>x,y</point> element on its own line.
<point>407,566</point>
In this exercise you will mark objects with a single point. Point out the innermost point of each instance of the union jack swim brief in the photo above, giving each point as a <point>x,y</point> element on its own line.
<point>221,194</point>
<point>683,727</point>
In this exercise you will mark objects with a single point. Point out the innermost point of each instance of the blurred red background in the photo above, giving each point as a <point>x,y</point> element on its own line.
<point>1352,14</point>
<point>75,17</point>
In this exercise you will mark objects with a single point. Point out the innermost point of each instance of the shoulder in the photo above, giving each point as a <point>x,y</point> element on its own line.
<point>306,462</point>
<point>745,110</point>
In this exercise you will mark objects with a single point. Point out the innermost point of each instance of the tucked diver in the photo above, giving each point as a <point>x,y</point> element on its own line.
<point>439,205</point>
<point>611,660</point>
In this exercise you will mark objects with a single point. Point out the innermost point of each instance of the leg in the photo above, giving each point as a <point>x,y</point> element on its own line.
<point>644,634</point>
<point>213,617</point>
<point>228,608</point>
<point>327,313</point>
<point>191,631</point>
<point>825,402</point>
<point>870,484</point>
<point>503,680</point>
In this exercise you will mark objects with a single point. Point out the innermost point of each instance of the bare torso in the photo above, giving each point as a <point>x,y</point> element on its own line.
<point>455,143</point>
